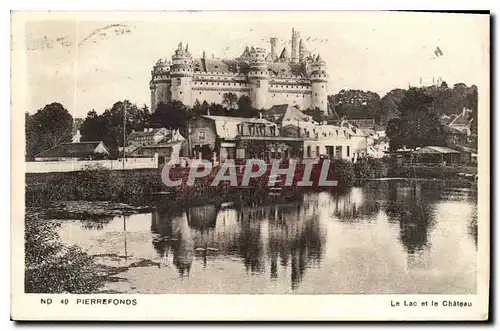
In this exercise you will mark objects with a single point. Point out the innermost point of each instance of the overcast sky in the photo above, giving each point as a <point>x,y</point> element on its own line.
<point>100,59</point>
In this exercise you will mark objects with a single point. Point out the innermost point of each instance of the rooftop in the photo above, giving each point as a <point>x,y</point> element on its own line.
<point>436,150</point>
<point>70,149</point>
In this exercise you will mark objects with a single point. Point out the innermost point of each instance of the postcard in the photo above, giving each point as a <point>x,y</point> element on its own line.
<point>218,166</point>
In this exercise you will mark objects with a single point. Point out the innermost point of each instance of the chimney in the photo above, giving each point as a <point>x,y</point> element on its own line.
<point>273,42</point>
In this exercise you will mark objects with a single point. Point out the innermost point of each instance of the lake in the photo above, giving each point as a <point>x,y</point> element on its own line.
<point>383,237</point>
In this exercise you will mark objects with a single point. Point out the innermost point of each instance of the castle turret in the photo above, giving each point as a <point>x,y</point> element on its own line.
<point>181,72</point>
<point>295,46</point>
<point>319,81</point>
<point>258,76</point>
<point>160,84</point>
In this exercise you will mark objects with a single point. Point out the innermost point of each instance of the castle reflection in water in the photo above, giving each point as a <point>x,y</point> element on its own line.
<point>277,235</point>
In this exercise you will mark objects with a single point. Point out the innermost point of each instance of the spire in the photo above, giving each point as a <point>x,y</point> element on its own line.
<point>179,47</point>
<point>187,47</point>
<point>204,55</point>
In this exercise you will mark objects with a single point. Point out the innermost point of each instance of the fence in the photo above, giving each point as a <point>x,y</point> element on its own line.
<point>66,166</point>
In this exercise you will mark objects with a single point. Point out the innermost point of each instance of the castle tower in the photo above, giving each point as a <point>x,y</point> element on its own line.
<point>258,76</point>
<point>274,43</point>
<point>319,81</point>
<point>181,72</point>
<point>295,45</point>
<point>160,84</point>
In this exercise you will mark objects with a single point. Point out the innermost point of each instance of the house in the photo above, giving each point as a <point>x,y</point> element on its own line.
<point>149,136</point>
<point>221,136</point>
<point>437,154</point>
<point>461,122</point>
<point>361,119</point>
<point>169,149</point>
<point>74,151</point>
<point>286,114</point>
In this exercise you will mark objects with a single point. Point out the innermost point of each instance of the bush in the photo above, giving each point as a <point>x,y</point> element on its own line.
<point>344,171</point>
<point>370,168</point>
<point>51,267</point>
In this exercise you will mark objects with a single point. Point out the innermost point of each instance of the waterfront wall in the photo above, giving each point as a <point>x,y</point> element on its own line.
<point>67,166</point>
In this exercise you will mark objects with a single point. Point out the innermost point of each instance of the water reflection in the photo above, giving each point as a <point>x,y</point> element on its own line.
<point>384,237</point>
<point>261,236</point>
<point>414,213</point>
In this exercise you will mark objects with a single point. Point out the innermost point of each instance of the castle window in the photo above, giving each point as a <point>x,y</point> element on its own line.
<point>180,92</point>
<point>200,92</point>
<point>316,94</point>
<point>322,86</point>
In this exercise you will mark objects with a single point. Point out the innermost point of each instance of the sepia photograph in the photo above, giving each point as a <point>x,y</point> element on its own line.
<point>297,155</point>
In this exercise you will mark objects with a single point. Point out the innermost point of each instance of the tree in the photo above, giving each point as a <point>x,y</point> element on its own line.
<point>50,266</point>
<point>389,105</point>
<point>471,103</point>
<point>356,104</point>
<point>47,128</point>
<point>316,113</point>
<point>245,108</point>
<point>230,100</point>
<point>31,136</point>
<point>419,124</point>
<point>108,127</point>
<point>216,109</point>
<point>171,115</point>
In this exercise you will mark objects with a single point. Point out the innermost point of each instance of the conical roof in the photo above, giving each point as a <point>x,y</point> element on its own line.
<point>319,60</point>
<point>284,54</point>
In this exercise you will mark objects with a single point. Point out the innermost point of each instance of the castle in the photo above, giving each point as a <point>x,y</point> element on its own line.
<point>268,79</point>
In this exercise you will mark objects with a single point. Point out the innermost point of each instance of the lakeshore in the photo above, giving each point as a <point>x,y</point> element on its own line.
<point>136,186</point>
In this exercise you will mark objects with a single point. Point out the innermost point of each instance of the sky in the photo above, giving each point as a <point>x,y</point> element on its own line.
<point>92,60</point>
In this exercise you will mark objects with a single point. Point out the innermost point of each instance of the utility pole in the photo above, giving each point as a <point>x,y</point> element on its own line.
<point>124,136</point>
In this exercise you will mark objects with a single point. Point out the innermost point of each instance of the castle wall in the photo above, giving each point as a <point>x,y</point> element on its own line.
<point>303,100</point>
<point>214,95</point>
<point>212,88</point>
